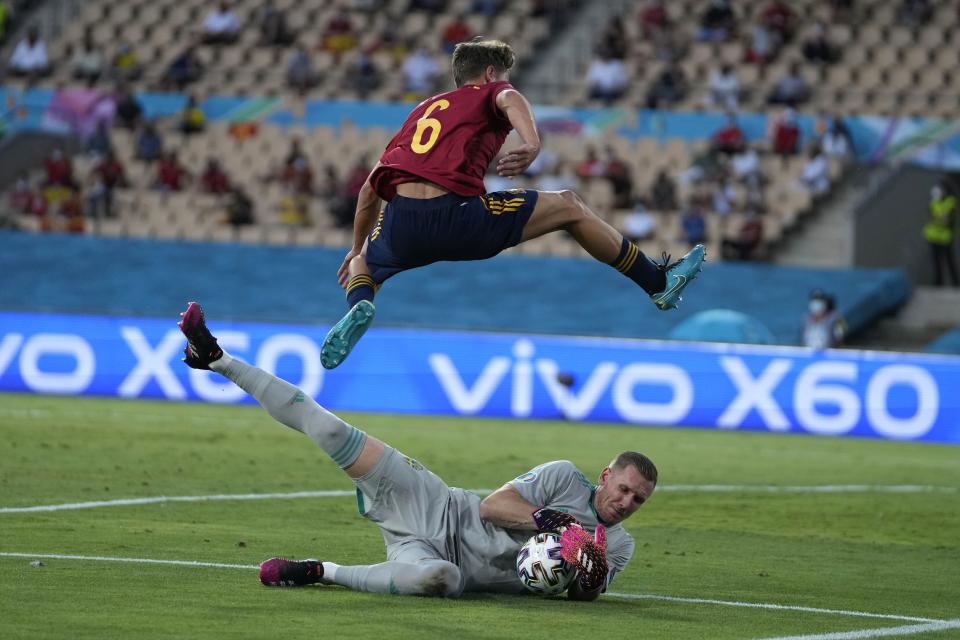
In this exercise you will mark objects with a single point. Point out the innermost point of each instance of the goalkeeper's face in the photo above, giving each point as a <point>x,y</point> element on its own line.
<point>620,492</point>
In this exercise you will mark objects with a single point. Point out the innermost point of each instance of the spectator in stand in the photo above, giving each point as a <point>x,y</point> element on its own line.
<point>184,69</point>
<point>693,224</point>
<point>456,32</point>
<point>148,145</point>
<point>668,89</point>
<point>239,208</point>
<point>747,240</point>
<point>295,153</point>
<point>295,209</point>
<point>87,62</point>
<point>339,36</point>
<point>192,118</point>
<point>939,232</point>
<point>729,139</point>
<point>274,30</point>
<point>746,167</point>
<point>613,40</point>
<point>129,110</point>
<point>718,24</point>
<point>420,72</point>
<point>654,19</point>
<point>835,138</point>
<point>591,166</point>
<point>125,66</point>
<point>785,134</point>
<point>791,89</point>
<point>558,176</point>
<point>663,193</point>
<point>606,78</point>
<point>30,59</point>
<point>394,46</point>
<point>779,18</point>
<point>171,176</point>
<point>723,89</point>
<point>330,186</point>
<point>221,26</point>
<point>300,76</point>
<point>107,176</point>
<point>99,143</point>
<point>817,48</point>
<point>21,195</point>
<point>722,197</point>
<point>639,224</point>
<point>214,179</point>
<point>764,45</point>
<point>59,169</point>
<point>618,173</point>
<point>364,76</point>
<point>914,13</point>
<point>823,326</point>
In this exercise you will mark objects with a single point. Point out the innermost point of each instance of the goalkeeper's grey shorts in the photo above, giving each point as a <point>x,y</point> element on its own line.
<point>410,505</point>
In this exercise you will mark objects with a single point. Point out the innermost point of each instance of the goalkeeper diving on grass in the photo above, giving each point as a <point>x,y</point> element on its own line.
<point>437,208</point>
<point>444,541</point>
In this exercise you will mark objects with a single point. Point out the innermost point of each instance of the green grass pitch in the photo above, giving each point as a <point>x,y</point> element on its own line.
<point>866,551</point>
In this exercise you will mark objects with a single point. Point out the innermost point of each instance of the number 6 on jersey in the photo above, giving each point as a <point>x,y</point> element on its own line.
<point>426,123</point>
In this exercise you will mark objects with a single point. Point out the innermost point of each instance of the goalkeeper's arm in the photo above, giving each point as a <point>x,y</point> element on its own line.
<point>506,508</point>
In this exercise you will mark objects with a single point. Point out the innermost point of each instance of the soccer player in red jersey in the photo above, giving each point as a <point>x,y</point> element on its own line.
<point>431,176</point>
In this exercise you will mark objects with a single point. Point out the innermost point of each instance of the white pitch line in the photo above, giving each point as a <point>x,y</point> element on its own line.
<point>629,596</point>
<point>764,605</point>
<point>884,632</point>
<point>342,493</point>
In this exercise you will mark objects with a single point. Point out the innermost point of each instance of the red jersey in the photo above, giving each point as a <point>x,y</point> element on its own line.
<point>449,139</point>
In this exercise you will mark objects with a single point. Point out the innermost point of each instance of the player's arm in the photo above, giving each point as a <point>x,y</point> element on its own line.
<point>368,206</point>
<point>506,508</point>
<point>520,114</point>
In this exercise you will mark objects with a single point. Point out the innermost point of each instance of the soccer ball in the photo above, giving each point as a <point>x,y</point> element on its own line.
<point>540,567</point>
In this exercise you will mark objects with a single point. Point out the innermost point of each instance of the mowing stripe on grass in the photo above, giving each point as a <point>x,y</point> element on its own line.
<point>627,596</point>
<point>341,493</point>
<point>884,632</point>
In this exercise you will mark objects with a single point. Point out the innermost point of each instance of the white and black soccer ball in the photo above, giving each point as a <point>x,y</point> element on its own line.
<point>540,566</point>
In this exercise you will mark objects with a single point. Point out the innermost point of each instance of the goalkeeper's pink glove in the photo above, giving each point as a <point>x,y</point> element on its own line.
<point>553,520</point>
<point>588,554</point>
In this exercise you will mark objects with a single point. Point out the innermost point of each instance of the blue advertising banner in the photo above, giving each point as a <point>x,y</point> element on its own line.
<point>781,389</point>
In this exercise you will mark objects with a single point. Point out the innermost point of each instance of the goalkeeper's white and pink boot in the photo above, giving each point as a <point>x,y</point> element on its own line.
<point>280,572</point>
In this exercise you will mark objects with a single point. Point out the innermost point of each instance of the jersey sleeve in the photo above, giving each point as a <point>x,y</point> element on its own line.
<point>619,557</point>
<point>543,484</point>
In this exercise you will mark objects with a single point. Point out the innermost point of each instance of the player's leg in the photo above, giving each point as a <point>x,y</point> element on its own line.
<point>352,450</point>
<point>413,568</point>
<point>565,210</point>
<point>344,335</point>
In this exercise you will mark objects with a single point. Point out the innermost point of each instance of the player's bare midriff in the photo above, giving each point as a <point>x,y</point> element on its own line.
<point>421,190</point>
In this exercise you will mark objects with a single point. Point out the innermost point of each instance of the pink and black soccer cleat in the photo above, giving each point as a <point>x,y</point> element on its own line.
<point>202,348</point>
<point>280,572</point>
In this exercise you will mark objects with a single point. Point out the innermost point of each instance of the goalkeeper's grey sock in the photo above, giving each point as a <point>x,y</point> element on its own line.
<point>427,578</point>
<point>290,406</point>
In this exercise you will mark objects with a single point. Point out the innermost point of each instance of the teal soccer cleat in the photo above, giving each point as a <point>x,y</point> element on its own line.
<point>679,275</point>
<point>344,335</point>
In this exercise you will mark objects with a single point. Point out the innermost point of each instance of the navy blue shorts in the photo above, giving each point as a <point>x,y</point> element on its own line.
<point>412,232</point>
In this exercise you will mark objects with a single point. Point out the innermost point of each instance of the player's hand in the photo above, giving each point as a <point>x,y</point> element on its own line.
<point>588,554</point>
<point>514,162</point>
<point>553,520</point>
<point>343,273</point>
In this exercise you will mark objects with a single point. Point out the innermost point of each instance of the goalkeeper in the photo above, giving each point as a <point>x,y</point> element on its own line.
<point>442,541</point>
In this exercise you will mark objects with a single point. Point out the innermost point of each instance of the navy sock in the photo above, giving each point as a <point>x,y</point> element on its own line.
<point>360,287</point>
<point>635,265</point>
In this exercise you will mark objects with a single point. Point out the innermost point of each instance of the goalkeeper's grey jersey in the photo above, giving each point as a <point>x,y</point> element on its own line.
<point>487,554</point>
